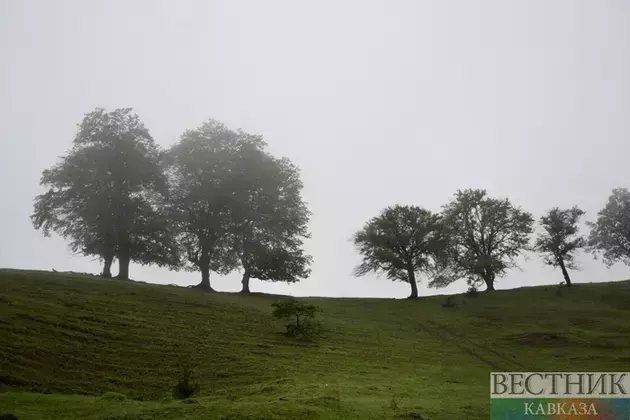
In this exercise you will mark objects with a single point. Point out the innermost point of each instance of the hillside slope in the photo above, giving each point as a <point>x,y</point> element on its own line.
<point>377,358</point>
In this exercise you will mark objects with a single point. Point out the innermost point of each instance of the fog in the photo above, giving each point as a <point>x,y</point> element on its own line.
<point>379,102</point>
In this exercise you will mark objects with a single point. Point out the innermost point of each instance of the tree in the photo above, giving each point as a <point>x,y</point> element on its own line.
<point>560,239</point>
<point>300,316</point>
<point>105,194</point>
<point>269,219</point>
<point>610,233</point>
<point>486,236</point>
<point>60,210</point>
<point>204,170</point>
<point>401,242</point>
<point>275,264</point>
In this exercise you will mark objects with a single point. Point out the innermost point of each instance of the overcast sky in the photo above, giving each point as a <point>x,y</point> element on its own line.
<point>379,102</point>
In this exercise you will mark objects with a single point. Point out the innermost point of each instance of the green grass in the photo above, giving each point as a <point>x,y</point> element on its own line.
<point>65,341</point>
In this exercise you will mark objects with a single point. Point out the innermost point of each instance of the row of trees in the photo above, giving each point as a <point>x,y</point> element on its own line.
<point>214,201</point>
<point>218,201</point>
<point>479,238</point>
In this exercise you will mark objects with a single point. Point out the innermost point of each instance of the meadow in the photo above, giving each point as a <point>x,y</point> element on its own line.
<point>82,347</point>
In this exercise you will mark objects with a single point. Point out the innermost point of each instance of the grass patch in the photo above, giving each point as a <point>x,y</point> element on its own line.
<point>113,396</point>
<point>69,340</point>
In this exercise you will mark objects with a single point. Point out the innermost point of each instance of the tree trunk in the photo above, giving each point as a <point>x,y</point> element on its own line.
<point>565,273</point>
<point>123,266</point>
<point>245,282</point>
<point>489,280</point>
<point>204,267</point>
<point>412,282</point>
<point>107,265</point>
<point>123,254</point>
<point>205,278</point>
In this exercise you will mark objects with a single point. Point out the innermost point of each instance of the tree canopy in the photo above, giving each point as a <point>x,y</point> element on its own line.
<point>401,242</point>
<point>610,233</point>
<point>234,205</point>
<point>270,221</point>
<point>560,240</point>
<point>202,167</point>
<point>486,235</point>
<point>104,195</point>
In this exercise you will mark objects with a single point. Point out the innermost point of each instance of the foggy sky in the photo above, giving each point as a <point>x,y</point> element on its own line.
<point>379,102</point>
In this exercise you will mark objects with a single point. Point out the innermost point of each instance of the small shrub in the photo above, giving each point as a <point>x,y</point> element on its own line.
<point>300,317</point>
<point>8,416</point>
<point>450,302</point>
<point>472,291</point>
<point>185,387</point>
<point>113,396</point>
<point>393,404</point>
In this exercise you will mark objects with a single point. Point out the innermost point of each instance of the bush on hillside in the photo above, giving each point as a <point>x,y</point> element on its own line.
<point>113,396</point>
<point>300,317</point>
<point>472,291</point>
<point>185,387</point>
<point>449,302</point>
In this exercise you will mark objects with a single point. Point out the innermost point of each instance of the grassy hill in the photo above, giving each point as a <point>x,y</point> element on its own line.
<point>66,340</point>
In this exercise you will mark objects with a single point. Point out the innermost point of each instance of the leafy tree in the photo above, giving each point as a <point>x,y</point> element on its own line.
<point>205,183</point>
<point>76,207</point>
<point>275,264</point>
<point>486,236</point>
<point>402,241</point>
<point>236,205</point>
<point>105,196</point>
<point>269,219</point>
<point>76,220</point>
<point>560,239</point>
<point>610,233</point>
<point>300,316</point>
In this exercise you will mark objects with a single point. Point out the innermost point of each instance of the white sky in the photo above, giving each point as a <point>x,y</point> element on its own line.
<point>379,102</point>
